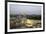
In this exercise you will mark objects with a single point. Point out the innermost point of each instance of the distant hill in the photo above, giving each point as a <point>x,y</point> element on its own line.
<point>28,16</point>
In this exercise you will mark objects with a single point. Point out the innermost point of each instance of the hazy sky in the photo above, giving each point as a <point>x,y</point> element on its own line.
<point>25,9</point>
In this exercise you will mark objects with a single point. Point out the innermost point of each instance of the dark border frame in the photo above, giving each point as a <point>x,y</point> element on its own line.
<point>25,2</point>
